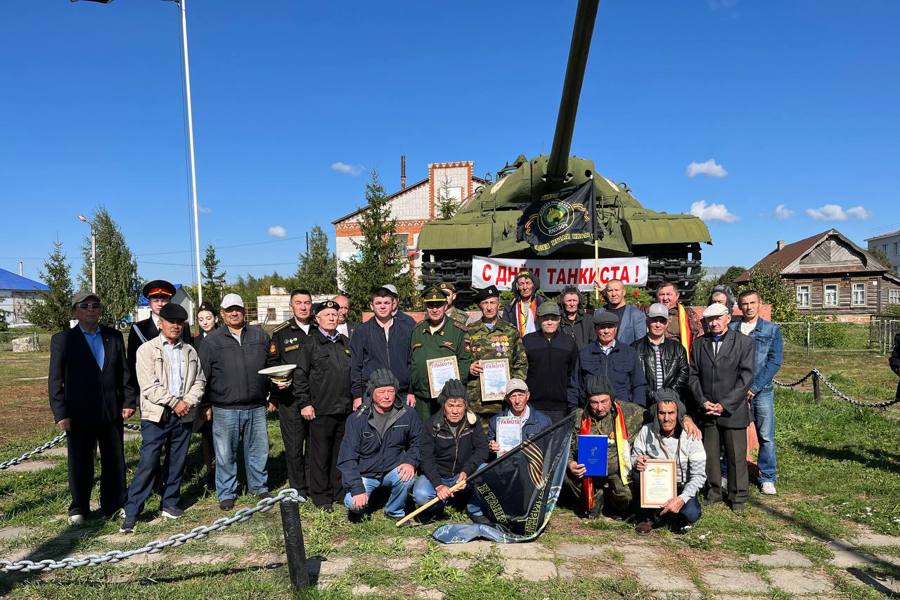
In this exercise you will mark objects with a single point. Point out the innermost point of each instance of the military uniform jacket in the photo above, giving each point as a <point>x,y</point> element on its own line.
<point>322,377</point>
<point>502,341</point>
<point>284,349</point>
<point>142,331</point>
<point>460,317</point>
<point>449,340</point>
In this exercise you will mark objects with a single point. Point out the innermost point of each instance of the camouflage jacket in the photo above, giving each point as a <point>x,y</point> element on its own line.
<point>460,317</point>
<point>501,342</point>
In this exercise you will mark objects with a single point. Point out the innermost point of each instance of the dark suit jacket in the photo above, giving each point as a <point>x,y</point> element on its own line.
<point>723,378</point>
<point>79,390</point>
<point>149,330</point>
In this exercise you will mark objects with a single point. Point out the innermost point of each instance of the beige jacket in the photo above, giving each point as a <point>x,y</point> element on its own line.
<point>153,377</point>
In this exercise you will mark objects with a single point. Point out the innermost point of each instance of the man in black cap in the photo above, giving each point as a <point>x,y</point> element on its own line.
<point>552,358</point>
<point>86,384</point>
<point>322,392</point>
<point>172,384</point>
<point>608,358</point>
<point>460,317</point>
<point>492,338</point>
<point>522,311</point>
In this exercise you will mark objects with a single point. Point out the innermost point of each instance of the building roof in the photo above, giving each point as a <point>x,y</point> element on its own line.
<point>884,235</point>
<point>11,281</point>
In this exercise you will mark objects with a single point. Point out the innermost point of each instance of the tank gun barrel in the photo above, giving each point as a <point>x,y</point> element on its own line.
<point>582,32</point>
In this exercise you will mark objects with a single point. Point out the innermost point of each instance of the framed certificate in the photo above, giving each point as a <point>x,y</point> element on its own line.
<point>494,375</point>
<point>657,483</point>
<point>441,370</point>
<point>509,433</point>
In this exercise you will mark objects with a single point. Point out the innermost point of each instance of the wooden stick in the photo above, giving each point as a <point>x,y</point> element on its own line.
<point>455,488</point>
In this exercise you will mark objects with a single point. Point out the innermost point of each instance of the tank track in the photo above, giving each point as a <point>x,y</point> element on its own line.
<point>678,263</point>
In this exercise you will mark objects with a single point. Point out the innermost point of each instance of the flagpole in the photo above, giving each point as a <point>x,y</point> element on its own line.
<point>596,244</point>
<point>456,487</point>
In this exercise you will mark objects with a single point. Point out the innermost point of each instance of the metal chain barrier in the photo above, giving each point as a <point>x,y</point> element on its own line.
<point>818,375</point>
<point>795,383</point>
<point>221,524</point>
<point>46,446</point>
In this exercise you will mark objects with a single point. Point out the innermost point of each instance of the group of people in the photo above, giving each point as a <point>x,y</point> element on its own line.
<point>360,414</point>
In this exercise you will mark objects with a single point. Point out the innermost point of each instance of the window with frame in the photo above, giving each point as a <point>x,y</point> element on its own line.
<point>859,294</point>
<point>803,296</point>
<point>831,295</point>
<point>893,296</point>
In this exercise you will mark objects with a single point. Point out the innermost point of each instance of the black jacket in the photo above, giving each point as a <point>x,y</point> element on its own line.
<point>550,364</point>
<point>722,378</point>
<point>581,329</point>
<point>894,360</point>
<point>621,366</point>
<point>674,367</point>
<point>81,391</point>
<point>231,369</point>
<point>149,330</point>
<point>369,352</point>
<point>320,379</point>
<point>445,454</point>
<point>284,349</point>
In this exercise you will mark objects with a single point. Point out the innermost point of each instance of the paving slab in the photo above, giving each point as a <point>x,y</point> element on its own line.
<point>876,539</point>
<point>845,556</point>
<point>458,563</point>
<point>569,550</point>
<point>665,582</point>
<point>58,451</point>
<point>12,533</point>
<point>202,559</point>
<point>529,570</point>
<point>891,560</point>
<point>801,581</point>
<point>782,558</point>
<point>143,559</point>
<point>678,595</point>
<point>400,564</point>
<point>361,589</point>
<point>475,547</point>
<point>232,541</point>
<point>262,559</point>
<point>532,551</point>
<point>335,566</point>
<point>564,572</point>
<point>117,540</point>
<point>30,466</point>
<point>415,545</point>
<point>638,556</point>
<point>734,580</point>
<point>429,594</point>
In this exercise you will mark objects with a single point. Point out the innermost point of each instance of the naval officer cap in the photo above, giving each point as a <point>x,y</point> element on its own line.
<point>159,288</point>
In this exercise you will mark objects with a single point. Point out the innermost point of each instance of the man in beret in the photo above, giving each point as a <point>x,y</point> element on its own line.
<point>322,392</point>
<point>609,358</point>
<point>552,359</point>
<point>521,312</point>
<point>87,397</point>
<point>460,317</point>
<point>172,384</point>
<point>492,338</point>
<point>453,447</point>
<point>435,337</point>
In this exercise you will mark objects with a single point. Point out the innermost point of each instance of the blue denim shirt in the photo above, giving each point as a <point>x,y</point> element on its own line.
<point>769,345</point>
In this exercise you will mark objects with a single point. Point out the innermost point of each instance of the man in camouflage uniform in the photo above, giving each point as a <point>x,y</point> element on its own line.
<point>435,337</point>
<point>490,338</point>
<point>460,317</point>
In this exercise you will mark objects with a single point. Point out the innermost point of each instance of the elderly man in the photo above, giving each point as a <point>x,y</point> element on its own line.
<point>769,352</point>
<point>665,438</point>
<point>232,357</point>
<point>683,324</point>
<point>460,317</point>
<point>664,360</point>
<point>632,323</point>
<point>322,392</point>
<point>453,446</point>
<point>720,376</point>
<point>344,326</point>
<point>521,312</point>
<point>552,358</point>
<point>576,321</point>
<point>86,384</point>
<point>381,449</point>
<point>531,420</point>
<point>492,338</point>
<point>172,385</point>
<point>382,342</point>
<point>435,337</point>
<point>603,414</point>
<point>612,359</point>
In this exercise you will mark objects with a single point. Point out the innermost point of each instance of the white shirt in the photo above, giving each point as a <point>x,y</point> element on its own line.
<point>303,326</point>
<point>746,327</point>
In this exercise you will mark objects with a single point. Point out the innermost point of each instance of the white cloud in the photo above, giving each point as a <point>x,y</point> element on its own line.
<point>783,212</point>
<point>277,231</point>
<point>712,212</point>
<point>836,212</point>
<point>709,168</point>
<point>342,167</point>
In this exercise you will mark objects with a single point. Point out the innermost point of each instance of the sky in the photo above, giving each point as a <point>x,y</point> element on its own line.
<point>771,120</point>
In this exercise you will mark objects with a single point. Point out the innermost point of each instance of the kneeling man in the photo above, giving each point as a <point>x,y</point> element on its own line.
<point>664,438</point>
<point>380,448</point>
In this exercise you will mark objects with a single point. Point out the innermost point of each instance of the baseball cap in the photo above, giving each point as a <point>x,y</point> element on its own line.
<point>83,295</point>
<point>715,310</point>
<point>231,300</point>
<point>658,310</point>
<point>516,385</point>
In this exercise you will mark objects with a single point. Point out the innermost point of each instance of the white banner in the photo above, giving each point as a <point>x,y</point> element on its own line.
<point>555,275</point>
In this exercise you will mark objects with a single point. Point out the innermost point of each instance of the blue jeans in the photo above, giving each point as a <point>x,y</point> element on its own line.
<point>763,410</point>
<point>154,437</point>
<point>424,492</point>
<point>229,426</point>
<point>396,504</point>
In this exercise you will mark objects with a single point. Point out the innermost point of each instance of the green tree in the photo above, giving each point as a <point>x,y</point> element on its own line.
<point>775,291</point>
<point>117,277</point>
<point>882,257</point>
<point>381,256</point>
<point>317,269</point>
<point>54,309</point>
<point>447,205</point>
<point>213,279</point>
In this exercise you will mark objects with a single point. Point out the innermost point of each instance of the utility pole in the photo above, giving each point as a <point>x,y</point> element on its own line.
<point>90,222</point>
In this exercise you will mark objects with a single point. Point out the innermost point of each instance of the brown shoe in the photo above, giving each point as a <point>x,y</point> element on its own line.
<point>644,527</point>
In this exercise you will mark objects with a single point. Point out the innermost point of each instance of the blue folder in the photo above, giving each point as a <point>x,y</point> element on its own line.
<point>592,453</point>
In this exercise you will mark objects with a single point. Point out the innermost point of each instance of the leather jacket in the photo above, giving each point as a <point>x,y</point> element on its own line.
<point>675,367</point>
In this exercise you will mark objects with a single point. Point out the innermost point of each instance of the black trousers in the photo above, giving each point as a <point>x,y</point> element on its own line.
<point>82,441</point>
<point>294,433</point>
<point>735,444</point>
<point>325,435</point>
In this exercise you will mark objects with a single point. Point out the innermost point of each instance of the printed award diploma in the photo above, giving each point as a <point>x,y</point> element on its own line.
<point>657,483</point>
<point>509,433</point>
<point>441,370</point>
<point>494,375</point>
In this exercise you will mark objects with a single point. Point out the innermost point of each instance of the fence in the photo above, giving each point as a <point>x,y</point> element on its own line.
<point>882,330</point>
<point>829,336</point>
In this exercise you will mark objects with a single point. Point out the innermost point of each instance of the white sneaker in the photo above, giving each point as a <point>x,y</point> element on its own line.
<point>768,488</point>
<point>76,519</point>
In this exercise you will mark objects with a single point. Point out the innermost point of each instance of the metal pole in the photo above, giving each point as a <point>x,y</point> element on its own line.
<point>93,260</point>
<point>190,123</point>
<point>293,544</point>
<point>817,393</point>
<point>808,333</point>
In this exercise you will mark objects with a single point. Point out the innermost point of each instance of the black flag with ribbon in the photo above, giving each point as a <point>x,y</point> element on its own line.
<point>550,224</point>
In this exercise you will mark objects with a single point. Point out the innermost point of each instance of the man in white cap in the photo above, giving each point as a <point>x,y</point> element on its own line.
<point>721,373</point>
<point>231,358</point>
<point>531,420</point>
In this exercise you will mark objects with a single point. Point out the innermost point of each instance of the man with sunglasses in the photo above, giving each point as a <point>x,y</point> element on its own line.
<point>86,386</point>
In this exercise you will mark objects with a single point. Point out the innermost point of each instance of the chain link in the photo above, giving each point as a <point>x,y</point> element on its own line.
<point>795,383</point>
<point>45,446</point>
<point>221,524</point>
<point>835,391</point>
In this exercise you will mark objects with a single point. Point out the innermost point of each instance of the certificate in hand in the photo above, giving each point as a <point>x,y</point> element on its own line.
<point>509,433</point>
<point>657,483</point>
<point>494,375</point>
<point>441,370</point>
<point>592,453</point>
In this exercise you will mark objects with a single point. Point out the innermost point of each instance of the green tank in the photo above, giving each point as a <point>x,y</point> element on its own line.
<point>486,224</point>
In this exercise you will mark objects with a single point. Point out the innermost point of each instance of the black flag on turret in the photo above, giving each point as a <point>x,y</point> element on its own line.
<point>551,224</point>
